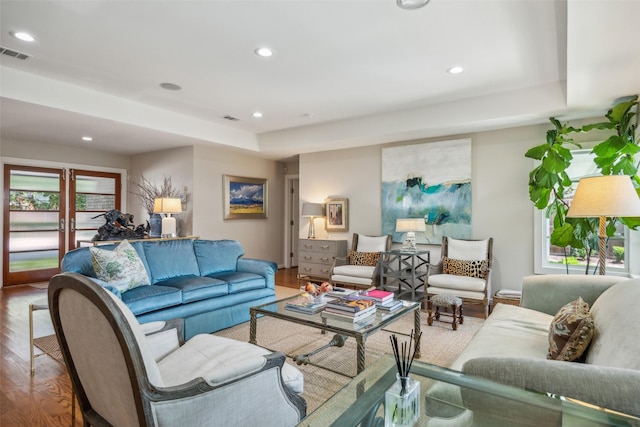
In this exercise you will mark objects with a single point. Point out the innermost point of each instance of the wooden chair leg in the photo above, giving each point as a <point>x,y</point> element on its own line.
<point>430,310</point>
<point>461,320</point>
<point>454,315</point>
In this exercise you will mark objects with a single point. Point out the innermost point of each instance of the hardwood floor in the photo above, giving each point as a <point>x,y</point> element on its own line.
<point>44,399</point>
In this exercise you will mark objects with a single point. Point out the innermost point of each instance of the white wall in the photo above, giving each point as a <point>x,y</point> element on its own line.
<point>501,206</point>
<point>261,238</point>
<point>176,164</point>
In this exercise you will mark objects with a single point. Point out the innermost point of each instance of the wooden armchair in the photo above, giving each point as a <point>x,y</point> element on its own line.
<point>464,271</point>
<point>360,268</point>
<point>124,378</point>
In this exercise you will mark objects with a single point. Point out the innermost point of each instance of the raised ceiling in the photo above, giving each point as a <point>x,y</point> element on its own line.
<point>344,73</point>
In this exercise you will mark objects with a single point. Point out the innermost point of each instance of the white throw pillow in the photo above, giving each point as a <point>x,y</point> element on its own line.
<point>122,268</point>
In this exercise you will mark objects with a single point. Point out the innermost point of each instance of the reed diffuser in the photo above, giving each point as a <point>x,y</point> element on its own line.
<point>402,400</point>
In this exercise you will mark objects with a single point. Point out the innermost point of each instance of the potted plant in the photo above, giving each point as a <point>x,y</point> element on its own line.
<point>549,182</point>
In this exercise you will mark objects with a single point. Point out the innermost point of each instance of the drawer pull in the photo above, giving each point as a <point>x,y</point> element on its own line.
<point>324,258</point>
<point>324,247</point>
<point>324,270</point>
<point>307,269</point>
<point>307,257</point>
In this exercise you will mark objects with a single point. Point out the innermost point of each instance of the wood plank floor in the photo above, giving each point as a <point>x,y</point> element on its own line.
<point>44,399</point>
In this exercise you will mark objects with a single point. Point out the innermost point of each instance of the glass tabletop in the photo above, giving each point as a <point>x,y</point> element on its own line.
<point>472,401</point>
<point>376,321</point>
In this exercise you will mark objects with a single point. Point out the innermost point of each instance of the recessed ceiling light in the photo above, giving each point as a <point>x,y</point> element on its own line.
<point>170,86</point>
<point>265,52</point>
<point>87,138</point>
<point>21,35</point>
<point>257,114</point>
<point>455,70</point>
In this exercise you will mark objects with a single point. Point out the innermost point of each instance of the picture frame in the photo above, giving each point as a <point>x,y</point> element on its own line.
<point>337,214</point>
<point>245,198</point>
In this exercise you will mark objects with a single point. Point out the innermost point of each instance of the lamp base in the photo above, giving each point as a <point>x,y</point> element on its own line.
<point>409,243</point>
<point>168,227</point>
<point>312,231</point>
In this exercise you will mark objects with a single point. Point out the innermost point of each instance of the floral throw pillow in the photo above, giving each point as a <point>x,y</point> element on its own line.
<point>571,331</point>
<point>364,258</point>
<point>122,268</point>
<point>469,268</point>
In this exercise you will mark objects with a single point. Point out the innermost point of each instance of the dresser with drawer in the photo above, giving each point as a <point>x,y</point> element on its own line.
<point>315,257</point>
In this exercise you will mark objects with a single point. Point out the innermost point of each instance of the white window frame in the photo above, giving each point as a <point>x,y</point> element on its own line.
<point>541,247</point>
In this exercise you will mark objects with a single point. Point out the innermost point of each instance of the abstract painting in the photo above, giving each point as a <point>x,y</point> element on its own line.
<point>430,181</point>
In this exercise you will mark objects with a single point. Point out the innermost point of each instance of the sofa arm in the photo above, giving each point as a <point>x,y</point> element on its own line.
<point>612,388</point>
<point>548,293</point>
<point>267,269</point>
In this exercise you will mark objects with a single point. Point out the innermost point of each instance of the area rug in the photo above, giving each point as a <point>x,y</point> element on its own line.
<point>440,346</point>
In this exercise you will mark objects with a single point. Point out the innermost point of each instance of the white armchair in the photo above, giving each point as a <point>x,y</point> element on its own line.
<point>360,268</point>
<point>126,374</point>
<point>464,271</point>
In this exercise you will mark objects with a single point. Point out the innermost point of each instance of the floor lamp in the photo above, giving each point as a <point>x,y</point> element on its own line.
<point>604,196</point>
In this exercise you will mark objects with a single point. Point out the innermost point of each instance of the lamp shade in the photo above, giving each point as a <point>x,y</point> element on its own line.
<point>167,205</point>
<point>608,195</point>
<point>312,209</point>
<point>410,224</point>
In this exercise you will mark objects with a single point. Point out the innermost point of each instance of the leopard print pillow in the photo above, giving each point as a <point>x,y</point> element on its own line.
<point>364,258</point>
<point>469,268</point>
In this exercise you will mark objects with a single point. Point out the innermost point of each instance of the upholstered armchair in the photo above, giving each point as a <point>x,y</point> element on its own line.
<point>464,270</point>
<point>360,268</point>
<point>125,374</point>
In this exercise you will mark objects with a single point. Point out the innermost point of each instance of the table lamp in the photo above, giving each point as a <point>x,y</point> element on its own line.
<point>167,206</point>
<point>312,210</point>
<point>410,226</point>
<point>604,196</point>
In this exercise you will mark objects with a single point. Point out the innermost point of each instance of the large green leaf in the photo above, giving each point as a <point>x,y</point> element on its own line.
<point>631,222</point>
<point>554,163</point>
<point>537,152</point>
<point>625,166</point>
<point>562,236</point>
<point>620,110</point>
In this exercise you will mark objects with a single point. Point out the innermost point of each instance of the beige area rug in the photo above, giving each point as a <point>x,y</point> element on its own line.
<point>440,346</point>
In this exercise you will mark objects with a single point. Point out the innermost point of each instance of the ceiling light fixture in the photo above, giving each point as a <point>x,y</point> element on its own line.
<point>411,4</point>
<point>265,52</point>
<point>170,86</point>
<point>21,35</point>
<point>455,70</point>
<point>87,138</point>
<point>257,114</point>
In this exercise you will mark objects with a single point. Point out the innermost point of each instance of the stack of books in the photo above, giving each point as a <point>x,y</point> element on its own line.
<point>377,295</point>
<point>302,304</point>
<point>390,306</point>
<point>347,309</point>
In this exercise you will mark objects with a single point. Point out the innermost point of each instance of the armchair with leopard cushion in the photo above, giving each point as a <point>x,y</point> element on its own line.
<point>464,270</point>
<point>129,374</point>
<point>360,268</point>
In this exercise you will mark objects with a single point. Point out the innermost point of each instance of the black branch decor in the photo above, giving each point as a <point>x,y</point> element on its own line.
<point>404,357</point>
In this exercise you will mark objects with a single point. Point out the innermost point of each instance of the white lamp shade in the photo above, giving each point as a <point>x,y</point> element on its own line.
<point>410,224</point>
<point>167,205</point>
<point>312,209</point>
<point>608,195</point>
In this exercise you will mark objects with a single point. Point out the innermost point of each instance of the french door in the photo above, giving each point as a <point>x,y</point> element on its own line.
<point>46,210</point>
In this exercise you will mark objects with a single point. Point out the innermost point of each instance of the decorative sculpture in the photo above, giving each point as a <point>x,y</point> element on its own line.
<point>119,226</point>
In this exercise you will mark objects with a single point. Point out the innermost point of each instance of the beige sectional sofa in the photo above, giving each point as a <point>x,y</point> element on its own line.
<point>511,347</point>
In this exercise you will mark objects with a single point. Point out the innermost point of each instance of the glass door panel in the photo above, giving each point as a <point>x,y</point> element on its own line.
<point>33,229</point>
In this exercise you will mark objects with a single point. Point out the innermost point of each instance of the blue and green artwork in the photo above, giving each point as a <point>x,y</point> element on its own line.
<point>430,181</point>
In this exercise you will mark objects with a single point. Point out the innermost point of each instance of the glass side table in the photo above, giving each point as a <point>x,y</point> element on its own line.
<point>405,273</point>
<point>484,403</point>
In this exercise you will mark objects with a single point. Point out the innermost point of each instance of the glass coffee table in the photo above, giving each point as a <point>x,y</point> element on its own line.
<point>341,328</point>
<point>484,403</point>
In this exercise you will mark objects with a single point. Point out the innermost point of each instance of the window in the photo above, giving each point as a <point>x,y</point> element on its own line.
<point>552,259</point>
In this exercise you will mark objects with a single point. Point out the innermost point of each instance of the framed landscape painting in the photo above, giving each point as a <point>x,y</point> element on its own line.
<point>244,198</point>
<point>337,215</point>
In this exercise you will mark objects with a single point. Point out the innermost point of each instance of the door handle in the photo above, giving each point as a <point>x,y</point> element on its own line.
<point>62,225</point>
<point>72,225</point>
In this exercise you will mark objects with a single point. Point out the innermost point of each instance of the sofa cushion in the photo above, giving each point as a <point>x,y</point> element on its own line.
<point>570,331</point>
<point>215,256</point>
<point>364,258</point>
<point>171,258</point>
<point>450,281</point>
<point>616,318</point>
<point>468,268</point>
<point>145,299</point>
<point>240,282</point>
<point>196,288</point>
<point>121,267</point>
<point>363,271</point>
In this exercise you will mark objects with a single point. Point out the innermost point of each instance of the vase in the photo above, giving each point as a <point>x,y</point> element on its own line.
<point>155,225</point>
<point>402,403</point>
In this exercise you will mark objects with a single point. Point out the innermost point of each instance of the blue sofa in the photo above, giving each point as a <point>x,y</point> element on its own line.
<point>205,282</point>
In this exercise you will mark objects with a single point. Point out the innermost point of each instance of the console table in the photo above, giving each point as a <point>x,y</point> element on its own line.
<point>148,239</point>
<point>404,272</point>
